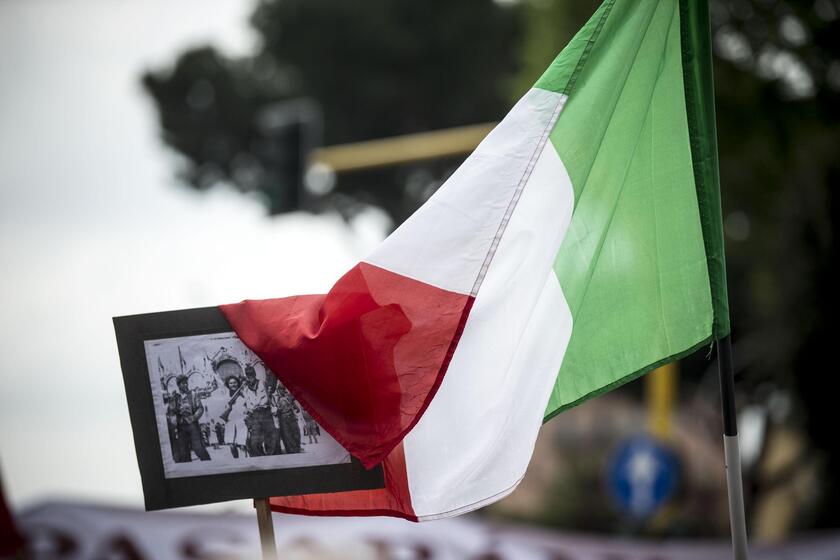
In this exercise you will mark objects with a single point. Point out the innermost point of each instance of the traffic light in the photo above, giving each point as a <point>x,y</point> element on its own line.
<point>289,131</point>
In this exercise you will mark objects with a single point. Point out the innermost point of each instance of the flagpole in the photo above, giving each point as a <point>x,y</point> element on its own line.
<point>732,454</point>
<point>269,546</point>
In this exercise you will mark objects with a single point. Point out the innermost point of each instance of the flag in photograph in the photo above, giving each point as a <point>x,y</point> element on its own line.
<point>182,361</point>
<point>577,248</point>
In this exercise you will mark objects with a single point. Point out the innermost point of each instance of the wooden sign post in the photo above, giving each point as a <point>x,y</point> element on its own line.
<point>269,546</point>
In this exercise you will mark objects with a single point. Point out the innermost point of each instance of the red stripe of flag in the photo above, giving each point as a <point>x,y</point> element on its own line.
<point>365,359</point>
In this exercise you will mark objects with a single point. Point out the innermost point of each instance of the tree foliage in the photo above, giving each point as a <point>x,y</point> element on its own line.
<point>376,69</point>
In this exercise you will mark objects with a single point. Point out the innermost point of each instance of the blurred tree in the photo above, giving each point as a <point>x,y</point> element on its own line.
<point>375,68</point>
<point>778,100</point>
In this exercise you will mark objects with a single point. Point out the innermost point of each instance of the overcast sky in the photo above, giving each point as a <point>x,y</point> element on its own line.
<point>93,225</point>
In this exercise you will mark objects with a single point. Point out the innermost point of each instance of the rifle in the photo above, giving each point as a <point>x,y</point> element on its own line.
<point>226,414</point>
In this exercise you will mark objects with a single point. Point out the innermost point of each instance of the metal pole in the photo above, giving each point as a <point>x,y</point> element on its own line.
<point>661,389</point>
<point>269,547</point>
<point>732,455</point>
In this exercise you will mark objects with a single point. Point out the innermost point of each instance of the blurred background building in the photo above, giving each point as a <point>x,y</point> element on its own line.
<point>158,155</point>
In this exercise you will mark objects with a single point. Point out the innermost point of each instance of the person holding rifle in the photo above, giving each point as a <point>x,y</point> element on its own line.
<point>286,409</point>
<point>188,410</point>
<point>258,418</point>
<point>234,417</point>
<point>171,402</point>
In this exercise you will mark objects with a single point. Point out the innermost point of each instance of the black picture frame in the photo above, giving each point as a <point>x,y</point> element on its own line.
<point>161,492</point>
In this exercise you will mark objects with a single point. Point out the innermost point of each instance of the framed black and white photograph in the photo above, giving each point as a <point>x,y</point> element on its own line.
<point>212,423</point>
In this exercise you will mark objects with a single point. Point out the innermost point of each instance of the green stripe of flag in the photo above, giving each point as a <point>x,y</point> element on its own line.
<point>642,264</point>
<point>700,106</point>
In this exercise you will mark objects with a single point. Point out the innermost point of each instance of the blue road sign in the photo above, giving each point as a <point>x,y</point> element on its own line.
<point>642,475</point>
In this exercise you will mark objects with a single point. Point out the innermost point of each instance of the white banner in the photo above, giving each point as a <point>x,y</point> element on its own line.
<point>79,531</point>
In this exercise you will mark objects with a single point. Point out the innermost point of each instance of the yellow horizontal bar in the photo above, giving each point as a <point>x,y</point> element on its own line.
<point>401,149</point>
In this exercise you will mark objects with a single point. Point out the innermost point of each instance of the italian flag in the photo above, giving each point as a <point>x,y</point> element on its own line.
<point>577,248</point>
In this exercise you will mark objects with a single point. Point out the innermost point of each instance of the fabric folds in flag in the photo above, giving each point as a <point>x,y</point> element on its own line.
<point>578,247</point>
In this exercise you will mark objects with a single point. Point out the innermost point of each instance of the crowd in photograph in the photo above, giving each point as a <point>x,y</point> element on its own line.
<point>249,415</point>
